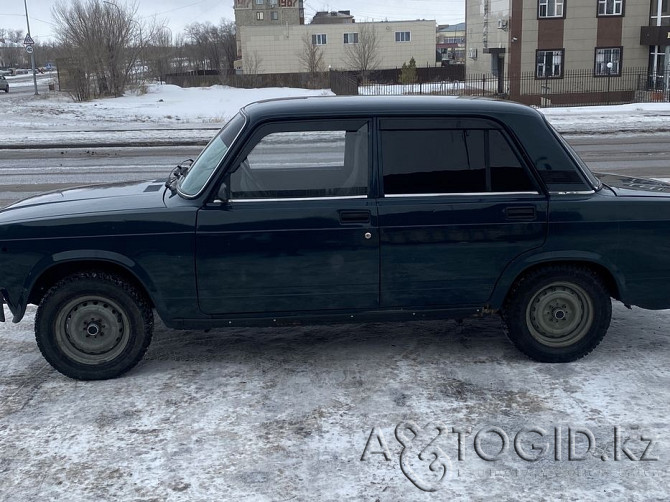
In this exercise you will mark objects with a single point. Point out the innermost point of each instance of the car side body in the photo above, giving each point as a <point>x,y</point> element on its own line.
<point>347,215</point>
<point>4,84</point>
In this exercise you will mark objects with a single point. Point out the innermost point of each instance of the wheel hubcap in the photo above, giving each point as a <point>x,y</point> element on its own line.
<point>92,329</point>
<point>559,314</point>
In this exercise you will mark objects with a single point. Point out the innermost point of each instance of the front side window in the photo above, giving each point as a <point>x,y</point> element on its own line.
<point>608,61</point>
<point>351,38</point>
<point>319,39</point>
<point>550,8</point>
<point>451,161</point>
<point>210,158</point>
<point>610,7</point>
<point>549,64</point>
<point>304,161</point>
<point>403,36</point>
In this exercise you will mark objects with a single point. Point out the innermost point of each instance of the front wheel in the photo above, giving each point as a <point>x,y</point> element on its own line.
<point>93,326</point>
<point>558,313</point>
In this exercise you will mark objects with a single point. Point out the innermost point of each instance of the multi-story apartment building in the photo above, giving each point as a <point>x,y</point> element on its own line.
<point>274,39</point>
<point>549,38</point>
<point>451,43</point>
<point>267,13</point>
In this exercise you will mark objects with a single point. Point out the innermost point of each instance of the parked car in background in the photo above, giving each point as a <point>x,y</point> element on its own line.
<point>4,85</point>
<point>340,209</point>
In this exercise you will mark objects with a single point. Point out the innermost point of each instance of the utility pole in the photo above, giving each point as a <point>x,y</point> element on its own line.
<point>28,42</point>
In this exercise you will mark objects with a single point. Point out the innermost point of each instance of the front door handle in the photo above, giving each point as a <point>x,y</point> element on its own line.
<point>520,213</point>
<point>357,216</point>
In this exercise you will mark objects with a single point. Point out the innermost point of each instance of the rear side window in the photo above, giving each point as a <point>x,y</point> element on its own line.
<point>464,159</point>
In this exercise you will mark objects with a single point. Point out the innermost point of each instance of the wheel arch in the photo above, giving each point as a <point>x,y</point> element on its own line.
<point>59,270</point>
<point>612,280</point>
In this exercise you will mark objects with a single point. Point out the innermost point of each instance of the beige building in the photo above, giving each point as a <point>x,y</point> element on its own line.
<point>549,39</point>
<point>277,48</point>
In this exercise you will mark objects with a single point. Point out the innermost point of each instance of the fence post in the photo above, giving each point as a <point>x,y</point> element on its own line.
<point>483,84</point>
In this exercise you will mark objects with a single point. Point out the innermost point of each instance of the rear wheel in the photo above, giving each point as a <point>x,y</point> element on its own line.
<point>558,313</point>
<point>93,326</point>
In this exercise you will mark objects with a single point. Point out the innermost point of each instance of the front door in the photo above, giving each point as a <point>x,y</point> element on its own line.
<point>298,231</point>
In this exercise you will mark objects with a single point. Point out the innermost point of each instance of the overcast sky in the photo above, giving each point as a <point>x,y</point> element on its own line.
<point>178,13</point>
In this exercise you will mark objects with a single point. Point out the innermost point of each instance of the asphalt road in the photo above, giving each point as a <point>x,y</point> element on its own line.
<point>26,172</point>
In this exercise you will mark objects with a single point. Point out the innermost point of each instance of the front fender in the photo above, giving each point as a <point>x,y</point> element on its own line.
<point>18,300</point>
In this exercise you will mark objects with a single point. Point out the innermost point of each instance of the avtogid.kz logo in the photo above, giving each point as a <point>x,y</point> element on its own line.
<point>425,462</point>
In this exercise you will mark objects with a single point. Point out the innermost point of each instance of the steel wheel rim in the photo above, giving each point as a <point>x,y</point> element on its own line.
<point>559,314</point>
<point>92,330</point>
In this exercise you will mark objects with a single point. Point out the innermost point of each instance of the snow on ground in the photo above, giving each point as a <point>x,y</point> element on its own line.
<point>170,113</point>
<point>286,414</point>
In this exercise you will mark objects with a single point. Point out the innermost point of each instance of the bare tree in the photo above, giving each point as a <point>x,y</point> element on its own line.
<point>363,56</point>
<point>311,57</point>
<point>252,63</point>
<point>214,47</point>
<point>103,41</point>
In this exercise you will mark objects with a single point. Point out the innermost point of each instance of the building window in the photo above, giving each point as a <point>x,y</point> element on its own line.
<point>274,15</point>
<point>403,36</point>
<point>549,64</point>
<point>260,2</point>
<point>273,3</point>
<point>259,16</point>
<point>550,8</point>
<point>608,56</point>
<point>351,38</point>
<point>610,7</point>
<point>319,39</point>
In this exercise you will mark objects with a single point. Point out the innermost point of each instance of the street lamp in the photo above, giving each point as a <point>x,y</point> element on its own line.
<point>609,74</point>
<point>32,53</point>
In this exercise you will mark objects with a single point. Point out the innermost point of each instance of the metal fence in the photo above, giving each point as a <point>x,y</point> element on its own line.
<point>573,88</point>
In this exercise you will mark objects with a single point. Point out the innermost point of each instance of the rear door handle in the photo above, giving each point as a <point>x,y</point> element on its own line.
<point>520,213</point>
<point>354,216</point>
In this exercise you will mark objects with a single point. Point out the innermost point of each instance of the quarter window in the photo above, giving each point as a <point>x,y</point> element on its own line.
<point>550,8</point>
<point>403,36</point>
<point>610,7</point>
<point>549,64</point>
<point>608,61</point>
<point>308,161</point>
<point>450,161</point>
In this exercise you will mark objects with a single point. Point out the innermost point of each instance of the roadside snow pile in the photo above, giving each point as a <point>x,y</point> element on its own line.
<point>161,104</point>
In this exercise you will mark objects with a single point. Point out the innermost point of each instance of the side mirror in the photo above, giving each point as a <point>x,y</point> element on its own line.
<point>222,194</point>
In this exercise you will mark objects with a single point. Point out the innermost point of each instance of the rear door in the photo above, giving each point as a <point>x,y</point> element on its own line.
<point>458,204</point>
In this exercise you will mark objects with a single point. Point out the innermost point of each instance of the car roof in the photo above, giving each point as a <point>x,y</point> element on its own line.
<point>334,106</point>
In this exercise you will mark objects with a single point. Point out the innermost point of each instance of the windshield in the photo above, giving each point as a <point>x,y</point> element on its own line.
<point>210,158</point>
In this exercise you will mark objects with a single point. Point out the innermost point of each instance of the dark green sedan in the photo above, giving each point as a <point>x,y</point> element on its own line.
<point>336,210</point>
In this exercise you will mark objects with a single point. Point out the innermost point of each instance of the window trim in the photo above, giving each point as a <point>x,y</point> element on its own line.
<point>621,14</point>
<point>595,62</point>
<point>552,77</point>
<point>400,36</point>
<point>563,4</point>
<point>346,36</point>
<point>317,36</point>
<point>463,123</point>
<point>263,130</point>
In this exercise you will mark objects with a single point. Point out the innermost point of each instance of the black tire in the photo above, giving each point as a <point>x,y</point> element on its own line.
<point>558,313</point>
<point>75,315</point>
